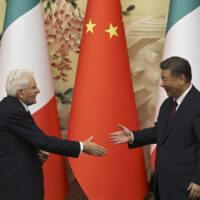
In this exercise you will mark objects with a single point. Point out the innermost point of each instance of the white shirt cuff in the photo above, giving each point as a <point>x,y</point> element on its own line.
<point>81,148</point>
<point>132,140</point>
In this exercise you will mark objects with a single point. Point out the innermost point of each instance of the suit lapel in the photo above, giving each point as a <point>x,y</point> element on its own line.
<point>180,112</point>
<point>164,118</point>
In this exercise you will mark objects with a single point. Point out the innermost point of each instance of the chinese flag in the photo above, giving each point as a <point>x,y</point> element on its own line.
<point>103,98</point>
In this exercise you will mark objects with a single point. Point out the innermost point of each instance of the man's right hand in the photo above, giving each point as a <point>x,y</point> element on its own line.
<point>123,136</point>
<point>92,148</point>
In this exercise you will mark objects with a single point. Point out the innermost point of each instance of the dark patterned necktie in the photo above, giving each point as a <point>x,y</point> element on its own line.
<point>173,110</point>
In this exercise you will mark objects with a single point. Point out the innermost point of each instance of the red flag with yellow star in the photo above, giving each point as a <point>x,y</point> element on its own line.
<point>103,98</point>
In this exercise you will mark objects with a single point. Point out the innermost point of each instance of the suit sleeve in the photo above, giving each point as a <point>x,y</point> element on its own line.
<point>149,135</point>
<point>23,126</point>
<point>196,125</point>
<point>144,137</point>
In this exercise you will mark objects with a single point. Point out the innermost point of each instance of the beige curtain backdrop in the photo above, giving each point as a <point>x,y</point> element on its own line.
<point>145,28</point>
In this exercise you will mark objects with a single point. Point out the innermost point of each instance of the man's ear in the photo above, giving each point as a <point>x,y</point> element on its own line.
<point>19,93</point>
<point>182,78</point>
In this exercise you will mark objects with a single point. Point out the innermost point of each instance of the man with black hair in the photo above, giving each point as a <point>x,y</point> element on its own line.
<point>176,132</point>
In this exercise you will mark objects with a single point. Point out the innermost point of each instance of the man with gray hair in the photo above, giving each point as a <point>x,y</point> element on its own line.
<point>21,175</point>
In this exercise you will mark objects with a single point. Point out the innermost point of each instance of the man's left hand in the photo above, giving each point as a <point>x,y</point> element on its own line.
<point>194,191</point>
<point>43,155</point>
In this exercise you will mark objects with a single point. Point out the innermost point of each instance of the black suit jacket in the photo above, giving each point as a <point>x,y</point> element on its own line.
<point>178,146</point>
<point>21,175</point>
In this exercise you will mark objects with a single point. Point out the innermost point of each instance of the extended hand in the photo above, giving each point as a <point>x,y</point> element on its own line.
<point>194,191</point>
<point>92,148</point>
<point>43,155</point>
<point>122,136</point>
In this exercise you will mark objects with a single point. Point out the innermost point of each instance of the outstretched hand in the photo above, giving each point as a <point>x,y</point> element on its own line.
<point>92,148</point>
<point>120,137</point>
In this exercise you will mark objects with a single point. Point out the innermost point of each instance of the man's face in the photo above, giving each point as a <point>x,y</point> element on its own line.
<point>28,95</point>
<point>172,85</point>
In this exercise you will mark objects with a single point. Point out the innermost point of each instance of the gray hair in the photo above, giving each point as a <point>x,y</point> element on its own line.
<point>17,79</point>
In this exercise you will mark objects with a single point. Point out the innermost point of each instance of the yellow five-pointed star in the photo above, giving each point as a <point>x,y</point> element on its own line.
<point>90,26</point>
<point>112,30</point>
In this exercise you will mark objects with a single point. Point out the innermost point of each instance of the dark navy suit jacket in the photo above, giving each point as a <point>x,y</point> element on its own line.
<point>178,146</point>
<point>21,175</point>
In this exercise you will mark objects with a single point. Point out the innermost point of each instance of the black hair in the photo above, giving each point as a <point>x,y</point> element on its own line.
<point>177,66</point>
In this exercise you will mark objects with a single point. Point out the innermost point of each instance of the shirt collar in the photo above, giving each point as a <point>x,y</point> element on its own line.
<point>25,106</point>
<point>180,99</point>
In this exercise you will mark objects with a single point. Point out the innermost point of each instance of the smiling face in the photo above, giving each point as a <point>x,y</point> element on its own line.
<point>174,86</point>
<point>28,95</point>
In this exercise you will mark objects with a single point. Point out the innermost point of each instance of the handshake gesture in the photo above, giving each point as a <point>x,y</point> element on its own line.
<point>90,148</point>
<point>118,137</point>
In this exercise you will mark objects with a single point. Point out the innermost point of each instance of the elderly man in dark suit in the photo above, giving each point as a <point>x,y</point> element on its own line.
<point>176,132</point>
<point>21,175</point>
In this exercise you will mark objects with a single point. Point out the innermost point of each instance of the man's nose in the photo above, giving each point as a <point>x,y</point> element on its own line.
<point>38,90</point>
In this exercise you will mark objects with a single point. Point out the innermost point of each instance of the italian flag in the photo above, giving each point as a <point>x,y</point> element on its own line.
<point>183,40</point>
<point>23,45</point>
